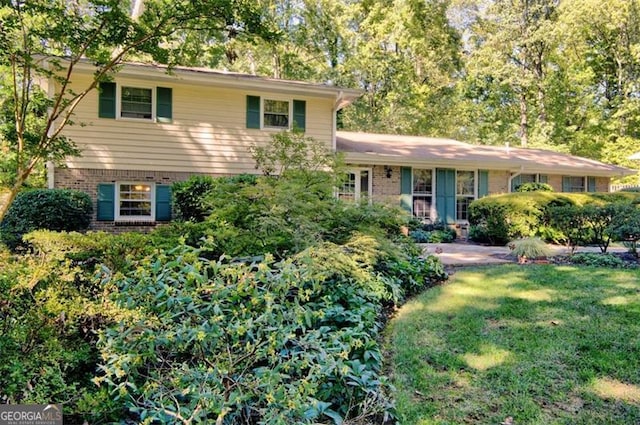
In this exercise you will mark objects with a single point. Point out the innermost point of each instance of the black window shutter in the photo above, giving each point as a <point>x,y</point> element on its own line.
<point>106,202</point>
<point>299,114</point>
<point>164,108</point>
<point>253,111</point>
<point>107,100</point>
<point>163,203</point>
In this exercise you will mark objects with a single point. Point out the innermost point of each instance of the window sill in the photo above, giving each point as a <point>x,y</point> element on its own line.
<point>125,223</point>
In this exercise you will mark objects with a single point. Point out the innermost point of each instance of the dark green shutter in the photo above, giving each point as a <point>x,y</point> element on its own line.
<point>566,184</point>
<point>406,189</point>
<point>164,108</point>
<point>107,100</point>
<point>446,195</point>
<point>163,203</point>
<point>253,111</point>
<point>591,184</point>
<point>299,114</point>
<point>515,182</point>
<point>483,183</point>
<point>106,201</point>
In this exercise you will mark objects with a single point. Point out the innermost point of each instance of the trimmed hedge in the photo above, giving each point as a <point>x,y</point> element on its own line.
<point>499,219</point>
<point>50,209</point>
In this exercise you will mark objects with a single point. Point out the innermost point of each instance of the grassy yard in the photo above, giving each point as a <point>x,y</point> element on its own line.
<point>521,345</point>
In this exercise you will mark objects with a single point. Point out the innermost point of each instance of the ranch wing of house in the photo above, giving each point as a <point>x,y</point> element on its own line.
<point>437,179</point>
<point>151,127</point>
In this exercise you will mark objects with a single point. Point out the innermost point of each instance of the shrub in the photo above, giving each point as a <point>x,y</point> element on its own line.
<point>434,236</point>
<point>597,260</point>
<point>499,218</point>
<point>51,311</point>
<point>191,198</point>
<point>571,220</point>
<point>529,248</point>
<point>626,228</point>
<point>534,187</point>
<point>287,342</point>
<point>51,209</point>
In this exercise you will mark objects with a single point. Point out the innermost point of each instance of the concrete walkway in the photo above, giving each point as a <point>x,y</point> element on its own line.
<point>469,254</point>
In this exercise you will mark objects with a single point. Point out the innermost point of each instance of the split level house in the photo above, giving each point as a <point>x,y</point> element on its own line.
<point>149,128</point>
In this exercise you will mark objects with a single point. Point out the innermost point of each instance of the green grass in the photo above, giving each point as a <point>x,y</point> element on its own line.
<point>539,344</point>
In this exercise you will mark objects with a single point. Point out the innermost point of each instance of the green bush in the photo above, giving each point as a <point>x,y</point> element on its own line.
<point>597,260</point>
<point>498,219</point>
<point>434,236</point>
<point>51,311</point>
<point>289,342</point>
<point>627,228</point>
<point>51,209</point>
<point>534,187</point>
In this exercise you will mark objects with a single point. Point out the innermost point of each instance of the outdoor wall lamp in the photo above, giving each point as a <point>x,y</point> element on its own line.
<point>388,171</point>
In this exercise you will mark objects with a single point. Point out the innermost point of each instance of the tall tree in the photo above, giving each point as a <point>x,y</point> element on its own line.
<point>45,40</point>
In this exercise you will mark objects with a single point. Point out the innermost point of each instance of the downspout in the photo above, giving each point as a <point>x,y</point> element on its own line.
<point>334,119</point>
<point>514,175</point>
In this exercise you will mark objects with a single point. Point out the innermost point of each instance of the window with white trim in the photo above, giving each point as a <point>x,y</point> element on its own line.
<point>275,113</point>
<point>574,184</point>
<point>422,193</point>
<point>465,193</point>
<point>134,201</point>
<point>136,102</point>
<point>355,186</point>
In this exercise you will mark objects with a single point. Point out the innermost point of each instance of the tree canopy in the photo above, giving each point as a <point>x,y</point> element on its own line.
<point>541,73</point>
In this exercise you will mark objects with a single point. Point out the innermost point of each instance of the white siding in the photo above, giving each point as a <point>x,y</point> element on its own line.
<point>208,133</point>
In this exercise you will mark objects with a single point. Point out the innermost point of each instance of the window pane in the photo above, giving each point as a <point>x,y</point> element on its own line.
<point>465,183</point>
<point>576,184</point>
<point>364,184</point>
<point>462,207</point>
<point>136,103</point>
<point>135,200</point>
<point>276,113</point>
<point>347,191</point>
<point>422,181</point>
<point>422,206</point>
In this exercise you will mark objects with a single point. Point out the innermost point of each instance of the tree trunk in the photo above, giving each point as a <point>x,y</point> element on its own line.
<point>524,121</point>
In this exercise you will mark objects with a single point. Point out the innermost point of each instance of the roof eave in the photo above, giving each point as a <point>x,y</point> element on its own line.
<point>511,166</point>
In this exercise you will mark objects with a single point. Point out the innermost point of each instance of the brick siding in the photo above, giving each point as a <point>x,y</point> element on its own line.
<point>87,180</point>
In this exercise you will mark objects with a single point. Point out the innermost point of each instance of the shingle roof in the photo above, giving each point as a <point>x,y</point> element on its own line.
<point>389,149</point>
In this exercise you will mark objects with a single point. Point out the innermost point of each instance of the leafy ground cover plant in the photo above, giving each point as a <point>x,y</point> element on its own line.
<point>293,341</point>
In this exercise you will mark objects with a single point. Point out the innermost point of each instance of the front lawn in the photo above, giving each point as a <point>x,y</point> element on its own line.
<point>522,345</point>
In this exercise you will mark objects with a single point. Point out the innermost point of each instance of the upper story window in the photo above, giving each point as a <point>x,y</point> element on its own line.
<point>136,102</point>
<point>130,102</point>
<point>276,113</point>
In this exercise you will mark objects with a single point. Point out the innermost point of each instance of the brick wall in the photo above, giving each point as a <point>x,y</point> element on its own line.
<point>87,180</point>
<point>498,182</point>
<point>386,189</point>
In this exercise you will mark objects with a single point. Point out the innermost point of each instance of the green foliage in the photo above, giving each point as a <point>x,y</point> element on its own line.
<point>498,219</point>
<point>51,310</point>
<point>52,209</point>
<point>189,197</point>
<point>571,220</point>
<point>529,248</point>
<point>287,342</point>
<point>627,228</point>
<point>434,236</point>
<point>534,187</point>
<point>293,151</point>
<point>597,260</point>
